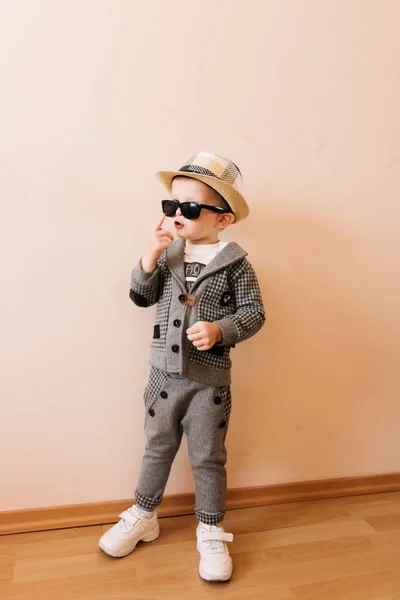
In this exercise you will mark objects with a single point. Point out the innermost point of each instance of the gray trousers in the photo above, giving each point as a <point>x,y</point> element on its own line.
<point>176,405</point>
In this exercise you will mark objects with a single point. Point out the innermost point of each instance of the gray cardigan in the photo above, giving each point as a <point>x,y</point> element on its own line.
<point>226,293</point>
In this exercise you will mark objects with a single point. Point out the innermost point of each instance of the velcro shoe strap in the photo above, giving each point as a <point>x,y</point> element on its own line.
<point>128,517</point>
<point>217,536</point>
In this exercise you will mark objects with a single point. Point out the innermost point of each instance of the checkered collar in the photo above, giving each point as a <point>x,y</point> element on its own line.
<point>228,255</point>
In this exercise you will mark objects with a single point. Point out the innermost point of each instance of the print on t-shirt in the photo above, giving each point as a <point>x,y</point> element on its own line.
<point>192,271</point>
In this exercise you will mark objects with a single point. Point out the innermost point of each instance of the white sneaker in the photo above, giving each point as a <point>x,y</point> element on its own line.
<point>215,562</point>
<point>134,526</point>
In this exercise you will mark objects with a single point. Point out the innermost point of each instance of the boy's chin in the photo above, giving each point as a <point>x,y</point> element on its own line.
<point>182,234</point>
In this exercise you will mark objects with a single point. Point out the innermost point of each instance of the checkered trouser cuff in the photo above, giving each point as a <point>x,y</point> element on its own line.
<point>209,518</point>
<point>146,502</point>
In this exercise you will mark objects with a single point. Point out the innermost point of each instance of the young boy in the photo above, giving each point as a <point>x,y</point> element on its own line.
<point>208,299</point>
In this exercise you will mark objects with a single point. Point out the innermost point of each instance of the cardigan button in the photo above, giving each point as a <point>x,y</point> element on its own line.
<point>151,412</point>
<point>222,424</point>
<point>217,400</point>
<point>164,395</point>
<point>182,298</point>
<point>175,348</point>
<point>177,323</point>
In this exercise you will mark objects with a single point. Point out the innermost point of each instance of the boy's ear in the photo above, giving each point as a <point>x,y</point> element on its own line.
<point>225,220</point>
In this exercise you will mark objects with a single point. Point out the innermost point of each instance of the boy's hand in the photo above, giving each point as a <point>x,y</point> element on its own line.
<point>204,335</point>
<point>159,240</point>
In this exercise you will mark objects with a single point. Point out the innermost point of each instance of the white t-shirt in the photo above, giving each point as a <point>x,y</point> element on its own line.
<point>197,256</point>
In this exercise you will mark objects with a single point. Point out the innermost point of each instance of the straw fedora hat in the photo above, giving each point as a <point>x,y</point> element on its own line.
<point>219,173</point>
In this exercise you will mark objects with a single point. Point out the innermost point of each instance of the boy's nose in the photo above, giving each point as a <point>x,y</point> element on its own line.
<point>178,212</point>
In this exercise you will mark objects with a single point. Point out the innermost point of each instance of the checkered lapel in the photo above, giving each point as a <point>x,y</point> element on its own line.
<point>175,260</point>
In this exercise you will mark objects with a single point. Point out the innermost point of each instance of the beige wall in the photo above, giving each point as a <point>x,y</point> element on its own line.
<point>95,96</point>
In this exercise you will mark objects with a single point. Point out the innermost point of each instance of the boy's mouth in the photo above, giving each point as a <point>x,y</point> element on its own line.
<point>178,224</point>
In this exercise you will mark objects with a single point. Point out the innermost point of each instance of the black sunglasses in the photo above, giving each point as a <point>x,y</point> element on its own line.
<point>190,210</point>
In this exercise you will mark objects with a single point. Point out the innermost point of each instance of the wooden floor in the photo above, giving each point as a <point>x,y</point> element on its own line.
<point>347,548</point>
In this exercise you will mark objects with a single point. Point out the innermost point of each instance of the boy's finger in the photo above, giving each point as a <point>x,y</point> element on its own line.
<point>199,344</point>
<point>160,233</point>
<point>196,328</point>
<point>195,336</point>
<point>204,347</point>
<point>159,224</point>
<point>164,233</point>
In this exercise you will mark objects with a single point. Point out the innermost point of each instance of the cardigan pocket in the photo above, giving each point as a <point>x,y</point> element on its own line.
<point>162,315</point>
<point>217,301</point>
<point>214,358</point>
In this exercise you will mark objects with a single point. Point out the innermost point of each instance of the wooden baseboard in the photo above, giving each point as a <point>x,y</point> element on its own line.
<point>98,513</point>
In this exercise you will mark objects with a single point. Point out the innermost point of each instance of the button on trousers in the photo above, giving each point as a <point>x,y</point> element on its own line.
<point>176,405</point>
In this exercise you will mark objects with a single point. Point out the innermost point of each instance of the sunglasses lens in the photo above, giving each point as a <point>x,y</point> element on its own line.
<point>169,207</point>
<point>191,210</point>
